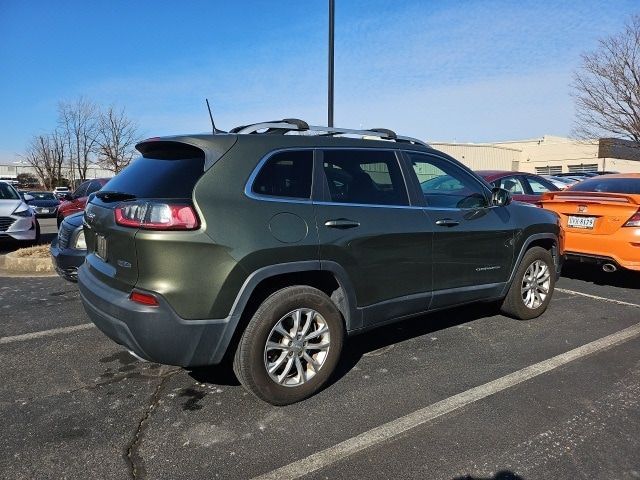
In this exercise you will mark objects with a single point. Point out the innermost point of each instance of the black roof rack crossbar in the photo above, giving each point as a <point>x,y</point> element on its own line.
<point>287,124</point>
<point>296,125</point>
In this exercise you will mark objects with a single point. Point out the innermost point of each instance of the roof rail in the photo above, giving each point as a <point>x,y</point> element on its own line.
<point>296,125</point>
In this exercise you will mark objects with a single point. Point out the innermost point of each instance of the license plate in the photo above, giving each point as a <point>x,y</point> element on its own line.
<point>101,247</point>
<point>581,222</point>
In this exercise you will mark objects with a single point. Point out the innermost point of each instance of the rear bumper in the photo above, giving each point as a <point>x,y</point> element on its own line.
<point>621,248</point>
<point>51,212</point>
<point>156,334</point>
<point>600,260</point>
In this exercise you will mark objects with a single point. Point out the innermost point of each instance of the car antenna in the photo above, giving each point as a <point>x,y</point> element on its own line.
<point>213,125</point>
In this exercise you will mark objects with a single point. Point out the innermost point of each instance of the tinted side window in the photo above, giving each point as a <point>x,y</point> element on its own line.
<point>444,185</point>
<point>81,191</point>
<point>368,177</point>
<point>538,187</point>
<point>510,184</point>
<point>286,174</point>
<point>93,187</point>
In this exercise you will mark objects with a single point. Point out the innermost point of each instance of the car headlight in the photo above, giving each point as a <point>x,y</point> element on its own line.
<point>80,244</point>
<point>23,210</point>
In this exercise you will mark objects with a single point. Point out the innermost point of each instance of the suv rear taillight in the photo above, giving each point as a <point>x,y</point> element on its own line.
<point>152,215</point>
<point>634,221</point>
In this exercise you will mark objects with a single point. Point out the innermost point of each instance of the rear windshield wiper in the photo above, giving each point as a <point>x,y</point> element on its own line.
<point>112,196</point>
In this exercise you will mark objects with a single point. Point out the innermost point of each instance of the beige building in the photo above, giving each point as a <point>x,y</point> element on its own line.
<point>548,154</point>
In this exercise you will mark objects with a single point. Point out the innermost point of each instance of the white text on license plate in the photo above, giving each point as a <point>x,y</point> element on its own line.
<point>101,247</point>
<point>581,222</point>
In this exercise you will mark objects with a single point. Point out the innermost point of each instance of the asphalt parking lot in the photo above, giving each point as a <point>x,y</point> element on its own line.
<point>465,394</point>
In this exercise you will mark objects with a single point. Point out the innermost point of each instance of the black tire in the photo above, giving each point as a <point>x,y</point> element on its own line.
<point>36,241</point>
<point>513,304</point>
<point>249,360</point>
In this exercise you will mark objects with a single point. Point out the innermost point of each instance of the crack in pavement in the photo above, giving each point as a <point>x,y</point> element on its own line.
<point>132,457</point>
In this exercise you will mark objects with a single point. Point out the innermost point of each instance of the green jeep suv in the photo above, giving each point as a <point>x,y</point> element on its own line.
<point>270,243</point>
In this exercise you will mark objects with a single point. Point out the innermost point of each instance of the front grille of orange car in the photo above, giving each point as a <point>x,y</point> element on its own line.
<point>5,223</point>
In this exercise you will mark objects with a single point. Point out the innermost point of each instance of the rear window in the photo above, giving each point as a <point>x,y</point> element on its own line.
<point>42,195</point>
<point>158,178</point>
<point>608,185</point>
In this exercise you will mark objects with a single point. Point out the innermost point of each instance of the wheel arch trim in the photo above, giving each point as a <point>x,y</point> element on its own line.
<point>525,246</point>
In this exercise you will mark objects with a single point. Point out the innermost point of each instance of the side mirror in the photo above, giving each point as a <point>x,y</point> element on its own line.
<point>500,197</point>
<point>27,197</point>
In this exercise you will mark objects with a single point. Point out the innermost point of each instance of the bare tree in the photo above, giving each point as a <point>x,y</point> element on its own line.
<point>116,138</point>
<point>46,154</point>
<point>79,122</point>
<point>606,87</point>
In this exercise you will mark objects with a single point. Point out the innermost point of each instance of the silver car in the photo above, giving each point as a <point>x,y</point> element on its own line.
<point>17,219</point>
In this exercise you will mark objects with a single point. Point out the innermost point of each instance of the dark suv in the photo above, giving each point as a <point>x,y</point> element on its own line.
<point>272,242</point>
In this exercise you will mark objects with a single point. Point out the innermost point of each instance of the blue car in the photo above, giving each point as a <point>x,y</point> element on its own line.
<point>68,248</point>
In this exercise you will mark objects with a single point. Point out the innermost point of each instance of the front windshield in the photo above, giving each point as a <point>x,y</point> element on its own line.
<point>7,192</point>
<point>42,195</point>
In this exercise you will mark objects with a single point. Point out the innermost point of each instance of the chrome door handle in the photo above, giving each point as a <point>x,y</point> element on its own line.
<point>341,223</point>
<point>447,222</point>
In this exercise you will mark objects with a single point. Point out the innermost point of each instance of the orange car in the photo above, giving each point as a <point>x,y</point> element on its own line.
<point>601,220</point>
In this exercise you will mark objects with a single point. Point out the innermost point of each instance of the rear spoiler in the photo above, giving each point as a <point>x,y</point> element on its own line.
<point>588,197</point>
<point>209,148</point>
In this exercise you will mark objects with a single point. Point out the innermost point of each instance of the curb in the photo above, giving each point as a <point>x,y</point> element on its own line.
<point>11,263</point>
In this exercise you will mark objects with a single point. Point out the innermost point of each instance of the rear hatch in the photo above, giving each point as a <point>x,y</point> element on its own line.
<point>591,213</point>
<point>164,176</point>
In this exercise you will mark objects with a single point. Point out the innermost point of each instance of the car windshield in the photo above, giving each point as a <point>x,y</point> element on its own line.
<point>42,195</point>
<point>7,192</point>
<point>608,185</point>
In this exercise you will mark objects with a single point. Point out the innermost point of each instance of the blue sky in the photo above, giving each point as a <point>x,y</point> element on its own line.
<point>438,70</point>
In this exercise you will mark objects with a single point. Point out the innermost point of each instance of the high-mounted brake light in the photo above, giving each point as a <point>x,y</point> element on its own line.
<point>144,299</point>
<point>156,216</point>
<point>634,221</point>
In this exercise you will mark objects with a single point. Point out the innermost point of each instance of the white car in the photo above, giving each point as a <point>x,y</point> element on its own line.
<point>17,219</point>
<point>60,192</point>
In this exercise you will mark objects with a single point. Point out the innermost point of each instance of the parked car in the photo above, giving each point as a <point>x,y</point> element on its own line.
<point>17,219</point>
<point>44,204</point>
<point>601,220</point>
<point>68,249</point>
<point>523,187</point>
<point>60,192</point>
<point>76,201</point>
<point>271,247</point>
<point>560,182</point>
<point>579,175</point>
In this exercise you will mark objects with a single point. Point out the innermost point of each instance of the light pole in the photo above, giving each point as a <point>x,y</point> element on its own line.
<point>332,12</point>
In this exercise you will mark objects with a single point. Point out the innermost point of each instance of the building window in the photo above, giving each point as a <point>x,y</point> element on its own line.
<point>583,167</point>
<point>549,170</point>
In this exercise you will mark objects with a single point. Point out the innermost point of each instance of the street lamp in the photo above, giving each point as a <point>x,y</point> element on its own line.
<point>332,12</point>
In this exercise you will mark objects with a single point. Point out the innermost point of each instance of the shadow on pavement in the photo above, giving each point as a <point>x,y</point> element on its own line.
<point>593,274</point>
<point>502,475</point>
<point>357,346</point>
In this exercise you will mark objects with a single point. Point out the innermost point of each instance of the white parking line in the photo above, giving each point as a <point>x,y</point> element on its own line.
<point>45,333</point>
<point>619,302</point>
<point>396,427</point>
